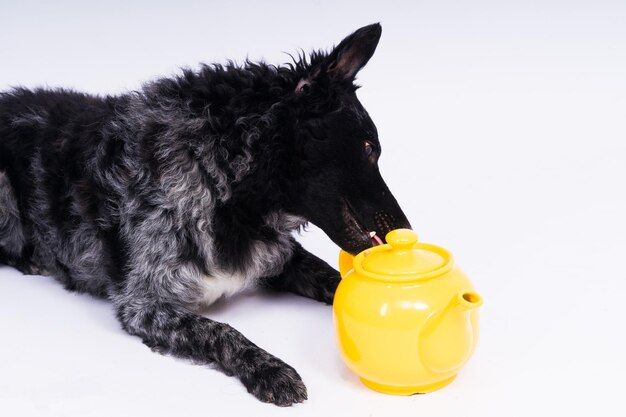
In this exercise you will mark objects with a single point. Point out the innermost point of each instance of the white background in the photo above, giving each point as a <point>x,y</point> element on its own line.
<point>504,135</point>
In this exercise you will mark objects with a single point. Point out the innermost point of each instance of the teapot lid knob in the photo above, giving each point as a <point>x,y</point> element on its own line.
<point>401,239</point>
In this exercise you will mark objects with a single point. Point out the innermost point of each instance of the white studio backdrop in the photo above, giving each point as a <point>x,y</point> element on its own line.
<point>504,140</point>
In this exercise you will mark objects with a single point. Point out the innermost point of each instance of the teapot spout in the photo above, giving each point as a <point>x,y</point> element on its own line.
<point>467,300</point>
<point>346,263</point>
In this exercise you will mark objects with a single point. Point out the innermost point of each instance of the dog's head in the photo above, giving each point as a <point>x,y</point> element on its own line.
<point>340,188</point>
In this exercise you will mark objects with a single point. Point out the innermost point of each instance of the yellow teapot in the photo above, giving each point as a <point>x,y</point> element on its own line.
<point>406,317</point>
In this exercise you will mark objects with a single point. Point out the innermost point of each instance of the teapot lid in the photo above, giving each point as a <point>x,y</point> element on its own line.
<point>404,258</point>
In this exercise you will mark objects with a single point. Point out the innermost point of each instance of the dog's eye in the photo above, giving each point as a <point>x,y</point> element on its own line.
<point>369,149</point>
<point>303,87</point>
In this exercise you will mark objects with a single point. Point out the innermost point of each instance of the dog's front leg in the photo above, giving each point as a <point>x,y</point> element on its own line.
<point>170,329</point>
<point>307,275</point>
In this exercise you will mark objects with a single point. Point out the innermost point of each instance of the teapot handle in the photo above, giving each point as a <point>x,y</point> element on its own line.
<point>346,263</point>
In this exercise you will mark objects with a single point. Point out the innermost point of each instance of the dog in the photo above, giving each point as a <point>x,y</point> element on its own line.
<point>168,198</point>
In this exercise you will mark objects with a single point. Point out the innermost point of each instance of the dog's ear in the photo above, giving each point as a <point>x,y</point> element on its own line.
<point>347,58</point>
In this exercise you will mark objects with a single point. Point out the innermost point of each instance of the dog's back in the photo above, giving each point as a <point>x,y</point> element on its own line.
<point>58,125</point>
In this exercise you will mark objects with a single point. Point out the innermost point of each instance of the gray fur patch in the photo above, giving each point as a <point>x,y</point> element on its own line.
<point>33,118</point>
<point>11,233</point>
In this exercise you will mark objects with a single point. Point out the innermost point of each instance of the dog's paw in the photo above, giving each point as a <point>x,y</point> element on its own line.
<point>328,286</point>
<point>276,382</point>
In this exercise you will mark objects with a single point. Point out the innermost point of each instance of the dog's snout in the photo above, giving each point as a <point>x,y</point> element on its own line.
<point>385,223</point>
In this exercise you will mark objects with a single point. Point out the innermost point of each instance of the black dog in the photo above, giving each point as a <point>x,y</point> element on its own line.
<point>165,199</point>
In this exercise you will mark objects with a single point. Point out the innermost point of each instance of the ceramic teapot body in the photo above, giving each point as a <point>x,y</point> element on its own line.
<point>406,317</point>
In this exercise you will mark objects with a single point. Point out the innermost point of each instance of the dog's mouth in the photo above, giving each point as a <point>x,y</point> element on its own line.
<point>356,225</point>
<point>375,239</point>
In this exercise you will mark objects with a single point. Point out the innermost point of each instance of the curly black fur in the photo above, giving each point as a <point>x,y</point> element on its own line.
<point>167,198</point>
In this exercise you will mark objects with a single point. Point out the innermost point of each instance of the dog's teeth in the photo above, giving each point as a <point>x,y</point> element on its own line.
<point>375,239</point>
